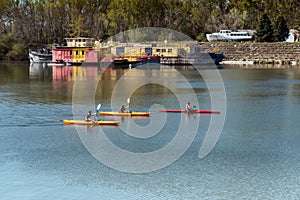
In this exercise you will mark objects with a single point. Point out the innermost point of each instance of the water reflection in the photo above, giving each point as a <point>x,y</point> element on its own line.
<point>13,73</point>
<point>39,71</point>
<point>71,73</point>
<point>54,84</point>
<point>74,73</point>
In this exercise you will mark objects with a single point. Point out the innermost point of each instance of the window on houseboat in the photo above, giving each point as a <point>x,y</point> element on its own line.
<point>157,50</point>
<point>76,53</point>
<point>82,53</point>
<point>169,50</point>
<point>70,53</point>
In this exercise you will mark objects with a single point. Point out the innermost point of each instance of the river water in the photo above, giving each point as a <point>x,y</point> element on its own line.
<point>255,157</point>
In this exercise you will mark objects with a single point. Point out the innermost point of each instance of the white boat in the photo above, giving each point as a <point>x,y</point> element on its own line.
<point>40,56</point>
<point>228,35</point>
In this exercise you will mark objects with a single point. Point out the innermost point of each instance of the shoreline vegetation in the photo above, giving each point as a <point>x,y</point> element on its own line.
<point>32,24</point>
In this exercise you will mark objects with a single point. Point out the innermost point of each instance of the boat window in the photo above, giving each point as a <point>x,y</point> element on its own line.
<point>169,50</point>
<point>76,53</point>
<point>163,50</point>
<point>82,53</point>
<point>70,53</point>
<point>157,50</point>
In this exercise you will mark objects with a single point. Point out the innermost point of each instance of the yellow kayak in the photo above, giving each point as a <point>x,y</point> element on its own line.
<point>130,114</point>
<point>84,122</point>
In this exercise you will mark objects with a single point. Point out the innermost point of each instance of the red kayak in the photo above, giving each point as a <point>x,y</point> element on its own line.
<point>192,111</point>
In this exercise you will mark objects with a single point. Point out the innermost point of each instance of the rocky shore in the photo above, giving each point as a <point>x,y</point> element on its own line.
<point>256,53</point>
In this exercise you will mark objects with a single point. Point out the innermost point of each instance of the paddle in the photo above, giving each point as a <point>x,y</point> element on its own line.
<point>128,101</point>
<point>98,107</point>
<point>97,111</point>
<point>193,110</point>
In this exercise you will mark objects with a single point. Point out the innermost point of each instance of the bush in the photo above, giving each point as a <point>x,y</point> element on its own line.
<point>18,52</point>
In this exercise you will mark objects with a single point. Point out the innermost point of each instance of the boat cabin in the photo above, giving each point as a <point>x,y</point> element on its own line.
<point>80,42</point>
<point>231,33</point>
<point>225,32</point>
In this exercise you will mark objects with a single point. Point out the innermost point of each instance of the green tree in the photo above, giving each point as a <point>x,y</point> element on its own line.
<point>11,48</point>
<point>290,11</point>
<point>194,15</point>
<point>281,30</point>
<point>124,15</point>
<point>235,20</point>
<point>6,15</point>
<point>173,15</point>
<point>264,30</point>
<point>77,26</point>
<point>18,52</point>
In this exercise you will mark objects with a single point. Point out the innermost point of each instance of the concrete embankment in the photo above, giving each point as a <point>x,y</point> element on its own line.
<point>256,53</point>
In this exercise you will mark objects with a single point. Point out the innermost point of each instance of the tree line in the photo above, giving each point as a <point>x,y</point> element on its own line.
<point>28,24</point>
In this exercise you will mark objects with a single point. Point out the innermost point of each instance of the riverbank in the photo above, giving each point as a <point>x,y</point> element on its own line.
<point>256,53</point>
<point>258,66</point>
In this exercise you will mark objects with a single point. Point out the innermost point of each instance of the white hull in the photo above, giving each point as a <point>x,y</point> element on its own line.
<point>36,57</point>
<point>215,37</point>
<point>197,59</point>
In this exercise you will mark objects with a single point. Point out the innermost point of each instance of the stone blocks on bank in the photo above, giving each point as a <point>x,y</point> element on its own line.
<point>256,53</point>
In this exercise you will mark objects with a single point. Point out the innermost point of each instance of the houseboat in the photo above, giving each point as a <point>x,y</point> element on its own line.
<point>199,59</point>
<point>129,55</point>
<point>191,54</point>
<point>77,51</point>
<point>175,53</point>
<point>228,35</point>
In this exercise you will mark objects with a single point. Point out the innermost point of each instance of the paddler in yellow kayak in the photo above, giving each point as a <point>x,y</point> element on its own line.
<point>88,116</point>
<point>123,109</point>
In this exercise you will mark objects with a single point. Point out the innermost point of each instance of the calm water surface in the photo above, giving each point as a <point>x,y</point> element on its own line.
<point>257,156</point>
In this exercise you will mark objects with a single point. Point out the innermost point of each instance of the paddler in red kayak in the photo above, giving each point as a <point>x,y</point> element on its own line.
<point>188,108</point>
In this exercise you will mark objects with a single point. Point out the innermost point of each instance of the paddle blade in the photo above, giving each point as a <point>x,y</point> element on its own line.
<point>99,106</point>
<point>128,100</point>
